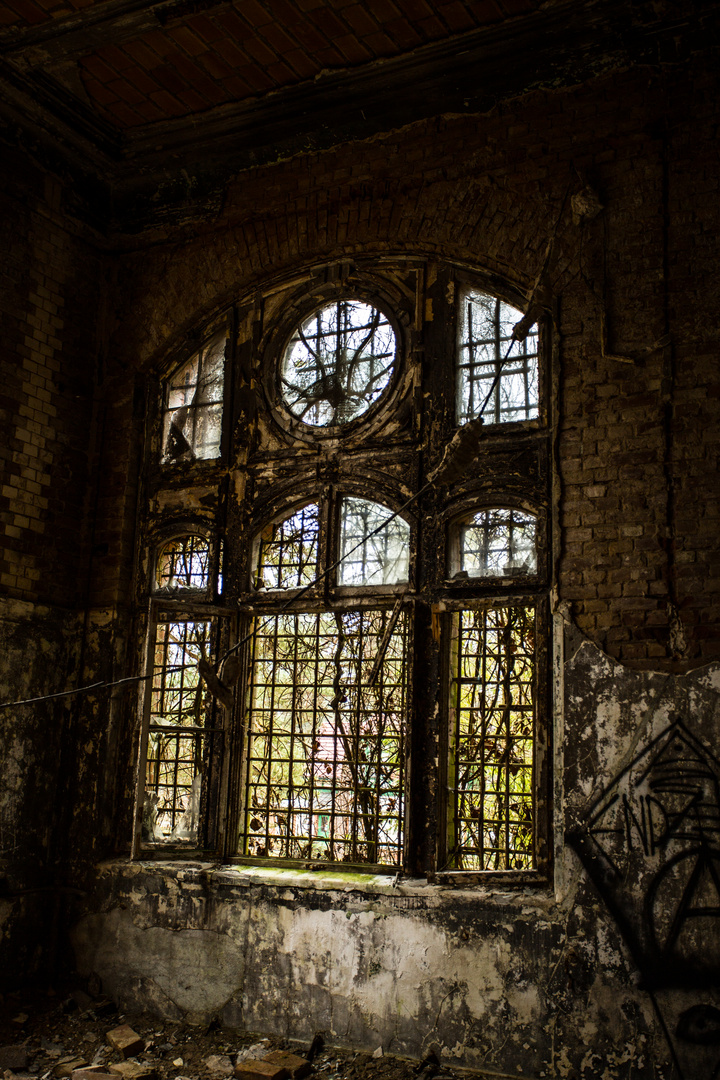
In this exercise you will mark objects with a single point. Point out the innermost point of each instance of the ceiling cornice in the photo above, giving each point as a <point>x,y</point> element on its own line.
<point>561,44</point>
<point>69,37</point>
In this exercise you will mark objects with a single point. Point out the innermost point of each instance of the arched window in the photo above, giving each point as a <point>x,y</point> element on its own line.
<point>497,542</point>
<point>193,405</point>
<point>288,551</point>
<point>183,563</point>
<point>369,687</point>
<point>374,545</point>
<point>496,375</point>
<point>327,690</point>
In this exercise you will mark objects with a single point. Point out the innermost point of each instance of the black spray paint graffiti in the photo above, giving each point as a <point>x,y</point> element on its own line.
<point>651,845</point>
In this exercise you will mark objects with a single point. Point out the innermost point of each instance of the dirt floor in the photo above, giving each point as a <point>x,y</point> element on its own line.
<point>47,1035</point>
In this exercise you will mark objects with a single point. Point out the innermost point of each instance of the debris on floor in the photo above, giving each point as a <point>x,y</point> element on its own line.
<point>75,1036</point>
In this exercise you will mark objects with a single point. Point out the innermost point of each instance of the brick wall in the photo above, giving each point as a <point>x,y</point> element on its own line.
<point>50,278</point>
<point>636,444</point>
<point>50,297</point>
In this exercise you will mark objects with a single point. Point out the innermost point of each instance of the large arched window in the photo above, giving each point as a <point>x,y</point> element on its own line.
<point>364,682</point>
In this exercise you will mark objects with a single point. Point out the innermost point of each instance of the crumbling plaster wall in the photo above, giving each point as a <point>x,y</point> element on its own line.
<point>50,300</point>
<point>534,982</point>
<point>38,649</point>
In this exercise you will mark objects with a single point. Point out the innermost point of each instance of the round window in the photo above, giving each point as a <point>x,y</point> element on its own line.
<point>337,363</point>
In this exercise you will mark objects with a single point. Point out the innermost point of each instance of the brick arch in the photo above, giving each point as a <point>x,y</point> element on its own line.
<point>464,218</point>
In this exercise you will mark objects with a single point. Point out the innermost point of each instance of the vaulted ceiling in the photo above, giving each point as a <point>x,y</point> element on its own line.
<point>134,64</point>
<point>130,90</point>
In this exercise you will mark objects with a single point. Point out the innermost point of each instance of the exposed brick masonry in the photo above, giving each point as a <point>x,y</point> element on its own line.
<point>50,300</point>
<point>639,508</point>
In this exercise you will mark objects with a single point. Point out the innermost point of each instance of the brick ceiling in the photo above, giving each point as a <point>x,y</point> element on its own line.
<point>221,53</point>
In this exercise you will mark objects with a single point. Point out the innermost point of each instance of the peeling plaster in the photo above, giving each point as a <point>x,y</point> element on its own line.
<point>508,980</point>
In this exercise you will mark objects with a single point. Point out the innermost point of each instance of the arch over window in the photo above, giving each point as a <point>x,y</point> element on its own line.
<point>496,376</point>
<point>183,563</point>
<point>288,550</point>
<point>370,557</point>
<point>193,403</point>
<point>498,542</point>
<point>338,363</point>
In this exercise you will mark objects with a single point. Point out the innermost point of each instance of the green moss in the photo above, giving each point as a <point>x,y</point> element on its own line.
<point>342,877</point>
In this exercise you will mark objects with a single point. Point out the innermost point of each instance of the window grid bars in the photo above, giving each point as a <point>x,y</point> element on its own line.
<point>326,784</point>
<point>477,372</point>
<point>381,558</point>
<point>289,557</point>
<point>183,563</point>
<point>194,387</point>
<point>494,702</point>
<point>178,708</point>
<point>494,540</point>
<point>326,388</point>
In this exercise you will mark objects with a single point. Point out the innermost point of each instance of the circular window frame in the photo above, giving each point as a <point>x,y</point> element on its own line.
<point>278,344</point>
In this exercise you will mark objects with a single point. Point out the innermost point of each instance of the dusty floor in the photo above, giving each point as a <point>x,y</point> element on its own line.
<point>55,1032</point>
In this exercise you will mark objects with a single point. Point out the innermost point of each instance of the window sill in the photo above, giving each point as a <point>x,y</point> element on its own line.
<point>498,889</point>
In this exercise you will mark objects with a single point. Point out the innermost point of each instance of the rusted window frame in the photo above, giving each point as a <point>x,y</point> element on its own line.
<point>213,793</point>
<point>413,332</point>
<point>327,597</point>
<point>541,741</point>
<point>371,606</point>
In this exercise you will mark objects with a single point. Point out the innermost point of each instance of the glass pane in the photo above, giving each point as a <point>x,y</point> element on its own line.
<point>192,420</point>
<point>382,559</point>
<point>499,543</point>
<point>338,363</point>
<point>485,334</point>
<point>326,740</point>
<point>183,563</point>
<point>179,702</point>
<point>288,553</point>
<point>493,698</point>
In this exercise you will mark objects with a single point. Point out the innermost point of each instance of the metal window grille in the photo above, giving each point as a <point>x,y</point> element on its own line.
<point>180,714</point>
<point>192,420</point>
<point>492,740</point>
<point>486,326</point>
<point>326,742</point>
<point>381,559</point>
<point>498,542</point>
<point>338,363</point>
<point>288,553</point>
<point>183,563</point>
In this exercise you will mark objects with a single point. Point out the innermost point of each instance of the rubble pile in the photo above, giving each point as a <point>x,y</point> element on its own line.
<point>75,1036</point>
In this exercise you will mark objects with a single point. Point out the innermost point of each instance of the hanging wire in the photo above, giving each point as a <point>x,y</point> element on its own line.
<point>459,452</point>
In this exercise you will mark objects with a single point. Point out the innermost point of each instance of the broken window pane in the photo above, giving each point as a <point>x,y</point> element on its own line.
<point>491,753</point>
<point>382,559</point>
<point>497,543</point>
<point>180,710</point>
<point>182,563</point>
<point>288,552</point>
<point>192,420</point>
<point>326,748</point>
<point>338,363</point>
<point>485,333</point>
